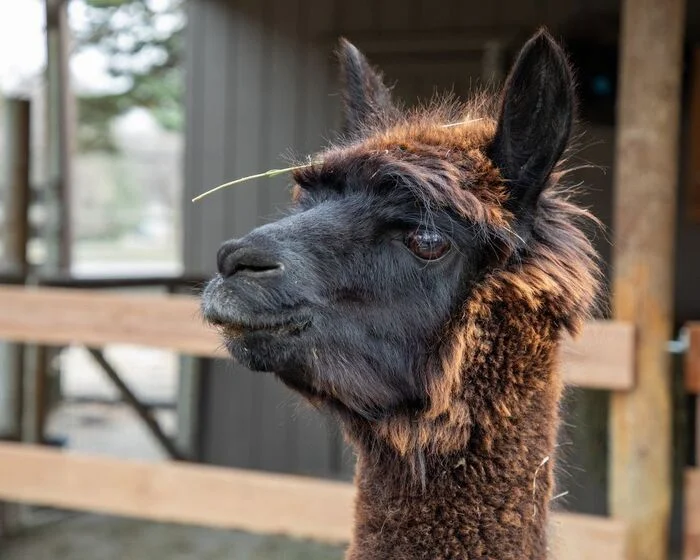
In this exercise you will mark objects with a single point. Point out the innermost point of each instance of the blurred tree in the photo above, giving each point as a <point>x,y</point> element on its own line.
<point>142,41</point>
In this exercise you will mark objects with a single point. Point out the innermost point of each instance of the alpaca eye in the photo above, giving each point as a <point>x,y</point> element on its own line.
<point>427,245</point>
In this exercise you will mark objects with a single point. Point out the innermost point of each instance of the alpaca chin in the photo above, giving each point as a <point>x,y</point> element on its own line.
<point>271,350</point>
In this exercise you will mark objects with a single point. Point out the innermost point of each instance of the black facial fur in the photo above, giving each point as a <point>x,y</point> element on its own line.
<point>331,299</point>
<point>355,311</point>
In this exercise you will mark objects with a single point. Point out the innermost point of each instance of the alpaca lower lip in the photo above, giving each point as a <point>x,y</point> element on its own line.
<point>288,327</point>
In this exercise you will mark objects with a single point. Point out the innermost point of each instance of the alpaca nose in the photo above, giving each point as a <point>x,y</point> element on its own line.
<point>243,259</point>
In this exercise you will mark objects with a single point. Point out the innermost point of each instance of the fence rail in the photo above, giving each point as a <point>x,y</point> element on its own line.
<point>63,316</point>
<point>601,358</point>
<point>296,506</point>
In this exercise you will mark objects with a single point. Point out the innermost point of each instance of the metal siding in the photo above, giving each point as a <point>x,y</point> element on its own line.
<point>218,64</point>
<point>194,133</point>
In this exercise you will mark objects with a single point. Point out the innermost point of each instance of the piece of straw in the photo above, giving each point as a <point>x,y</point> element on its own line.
<point>275,172</point>
<point>269,173</point>
<point>460,122</point>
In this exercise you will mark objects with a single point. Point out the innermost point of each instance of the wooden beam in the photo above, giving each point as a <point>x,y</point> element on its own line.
<point>56,316</point>
<point>302,507</point>
<point>601,358</point>
<point>691,516</point>
<point>18,146</point>
<point>691,365</point>
<point>646,171</point>
<point>181,493</point>
<point>15,234</point>
<point>587,537</point>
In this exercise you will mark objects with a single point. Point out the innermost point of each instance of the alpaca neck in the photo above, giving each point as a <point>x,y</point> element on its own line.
<point>489,497</point>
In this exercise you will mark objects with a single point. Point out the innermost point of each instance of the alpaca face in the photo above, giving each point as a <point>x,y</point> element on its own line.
<point>344,298</point>
<point>350,297</point>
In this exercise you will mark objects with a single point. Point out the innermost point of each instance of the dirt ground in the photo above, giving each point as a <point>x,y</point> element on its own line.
<point>92,537</point>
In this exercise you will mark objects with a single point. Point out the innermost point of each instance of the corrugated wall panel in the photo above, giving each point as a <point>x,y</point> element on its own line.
<point>214,142</point>
<point>194,74</point>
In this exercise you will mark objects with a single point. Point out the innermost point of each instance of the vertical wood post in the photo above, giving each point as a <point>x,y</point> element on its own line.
<point>16,236</point>
<point>17,231</point>
<point>18,150</point>
<point>646,170</point>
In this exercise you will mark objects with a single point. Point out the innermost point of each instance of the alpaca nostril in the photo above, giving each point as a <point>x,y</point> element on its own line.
<point>235,258</point>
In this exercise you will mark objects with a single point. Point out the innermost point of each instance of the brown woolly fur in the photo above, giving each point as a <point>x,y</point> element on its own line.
<point>418,291</point>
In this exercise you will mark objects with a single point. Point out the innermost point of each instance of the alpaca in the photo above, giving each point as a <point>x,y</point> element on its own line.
<point>418,290</point>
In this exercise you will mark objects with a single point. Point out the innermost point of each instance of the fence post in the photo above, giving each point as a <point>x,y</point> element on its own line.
<point>18,157</point>
<point>16,236</point>
<point>646,171</point>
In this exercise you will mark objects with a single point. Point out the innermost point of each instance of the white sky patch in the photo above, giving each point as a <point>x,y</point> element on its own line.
<point>89,68</point>
<point>23,51</point>
<point>89,74</point>
<point>22,45</point>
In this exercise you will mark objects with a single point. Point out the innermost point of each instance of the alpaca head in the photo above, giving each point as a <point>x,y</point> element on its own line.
<point>358,298</point>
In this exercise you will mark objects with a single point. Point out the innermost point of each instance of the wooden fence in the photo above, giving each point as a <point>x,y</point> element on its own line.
<point>691,491</point>
<point>601,358</point>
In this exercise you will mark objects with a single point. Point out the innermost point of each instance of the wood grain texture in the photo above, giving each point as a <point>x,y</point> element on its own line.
<point>645,179</point>
<point>588,537</point>
<point>691,506</point>
<point>56,316</point>
<point>180,493</point>
<point>234,499</point>
<point>691,366</point>
<point>602,357</point>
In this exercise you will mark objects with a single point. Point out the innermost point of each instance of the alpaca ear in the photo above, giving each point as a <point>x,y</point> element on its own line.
<point>534,126</point>
<point>365,96</point>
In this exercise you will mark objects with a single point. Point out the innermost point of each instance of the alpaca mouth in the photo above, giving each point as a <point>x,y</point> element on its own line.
<point>288,327</point>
